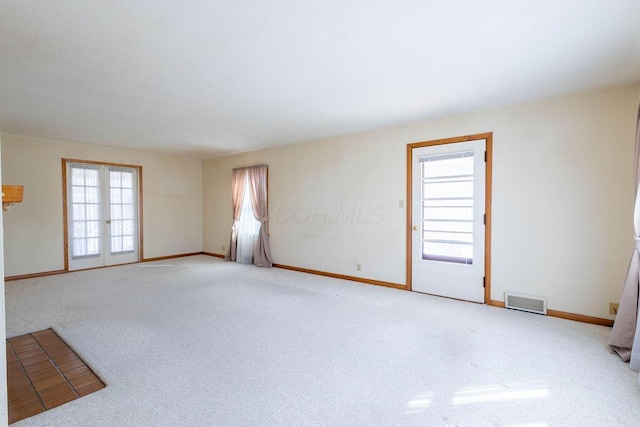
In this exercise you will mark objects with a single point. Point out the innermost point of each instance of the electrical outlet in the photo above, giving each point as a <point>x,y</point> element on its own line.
<point>401,204</point>
<point>613,308</point>
<point>358,267</point>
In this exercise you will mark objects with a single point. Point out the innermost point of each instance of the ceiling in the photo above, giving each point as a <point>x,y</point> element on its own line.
<point>203,78</point>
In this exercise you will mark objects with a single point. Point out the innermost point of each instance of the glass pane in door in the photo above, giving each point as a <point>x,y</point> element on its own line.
<point>85,212</point>
<point>447,207</point>
<point>122,204</point>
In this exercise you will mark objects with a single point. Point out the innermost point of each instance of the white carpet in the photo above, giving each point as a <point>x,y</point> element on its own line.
<point>198,342</point>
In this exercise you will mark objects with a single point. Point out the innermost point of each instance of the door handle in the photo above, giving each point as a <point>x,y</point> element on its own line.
<point>415,227</point>
<point>108,221</point>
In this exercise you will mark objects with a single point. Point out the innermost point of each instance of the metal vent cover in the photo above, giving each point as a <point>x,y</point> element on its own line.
<point>523,302</point>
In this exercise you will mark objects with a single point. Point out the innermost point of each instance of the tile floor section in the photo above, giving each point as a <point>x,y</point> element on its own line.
<point>44,372</point>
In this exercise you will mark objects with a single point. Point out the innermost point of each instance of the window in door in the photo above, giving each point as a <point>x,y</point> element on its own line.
<point>85,212</point>
<point>122,206</point>
<point>447,207</point>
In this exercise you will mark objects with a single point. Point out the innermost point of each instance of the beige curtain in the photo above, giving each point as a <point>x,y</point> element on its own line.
<point>625,335</point>
<point>258,190</point>
<point>237,194</point>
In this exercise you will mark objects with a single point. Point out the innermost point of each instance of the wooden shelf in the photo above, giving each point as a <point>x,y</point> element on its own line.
<point>11,194</point>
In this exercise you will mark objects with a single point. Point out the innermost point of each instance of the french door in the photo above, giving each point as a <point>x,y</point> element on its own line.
<point>448,213</point>
<point>102,215</point>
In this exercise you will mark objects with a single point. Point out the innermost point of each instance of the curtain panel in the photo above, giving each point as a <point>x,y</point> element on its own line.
<point>237,194</point>
<point>257,176</point>
<point>258,190</point>
<point>625,335</point>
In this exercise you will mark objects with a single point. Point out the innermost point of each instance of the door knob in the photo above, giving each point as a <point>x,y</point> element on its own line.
<point>415,227</point>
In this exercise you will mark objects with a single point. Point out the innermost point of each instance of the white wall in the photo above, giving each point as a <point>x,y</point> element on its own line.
<point>562,198</point>
<point>33,239</point>
<point>4,412</point>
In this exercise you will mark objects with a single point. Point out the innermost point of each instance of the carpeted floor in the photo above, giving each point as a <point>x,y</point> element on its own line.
<point>198,342</point>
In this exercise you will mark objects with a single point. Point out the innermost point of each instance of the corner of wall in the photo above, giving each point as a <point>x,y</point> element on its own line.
<point>4,417</point>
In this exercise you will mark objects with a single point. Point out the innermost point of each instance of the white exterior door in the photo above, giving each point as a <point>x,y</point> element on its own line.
<point>448,211</point>
<point>102,215</point>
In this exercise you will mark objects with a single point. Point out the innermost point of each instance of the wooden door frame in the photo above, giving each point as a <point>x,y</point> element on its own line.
<point>65,226</point>
<point>488,137</point>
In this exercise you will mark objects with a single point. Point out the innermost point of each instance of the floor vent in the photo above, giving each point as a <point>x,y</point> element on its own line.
<point>525,303</point>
